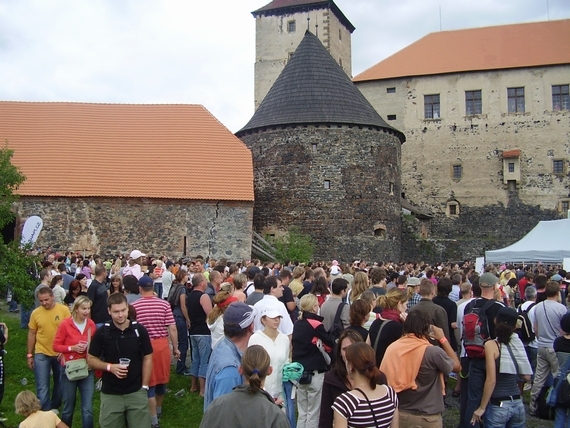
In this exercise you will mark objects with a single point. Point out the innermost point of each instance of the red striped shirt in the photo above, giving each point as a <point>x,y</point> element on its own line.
<point>155,315</point>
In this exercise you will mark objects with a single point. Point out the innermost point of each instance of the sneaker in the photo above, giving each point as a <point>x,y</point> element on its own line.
<point>187,373</point>
<point>155,426</point>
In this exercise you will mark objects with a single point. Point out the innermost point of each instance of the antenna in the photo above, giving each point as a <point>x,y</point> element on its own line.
<point>440,17</point>
<point>308,21</point>
<point>317,30</point>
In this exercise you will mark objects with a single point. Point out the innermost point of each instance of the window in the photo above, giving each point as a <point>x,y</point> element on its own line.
<point>291,26</point>
<point>560,97</point>
<point>511,167</point>
<point>391,90</point>
<point>380,231</point>
<point>473,103</point>
<point>452,208</point>
<point>457,172</point>
<point>391,188</point>
<point>558,166</point>
<point>314,147</point>
<point>327,184</point>
<point>391,117</point>
<point>515,100</point>
<point>564,206</point>
<point>339,34</point>
<point>431,106</point>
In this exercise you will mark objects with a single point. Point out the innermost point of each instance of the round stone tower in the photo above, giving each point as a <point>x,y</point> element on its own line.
<point>325,161</point>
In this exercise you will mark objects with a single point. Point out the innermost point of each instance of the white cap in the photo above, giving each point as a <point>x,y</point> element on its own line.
<point>135,254</point>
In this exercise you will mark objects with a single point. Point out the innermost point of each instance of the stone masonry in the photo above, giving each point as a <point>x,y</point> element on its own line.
<point>339,184</point>
<point>111,225</point>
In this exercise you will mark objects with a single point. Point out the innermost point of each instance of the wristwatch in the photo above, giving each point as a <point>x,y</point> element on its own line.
<point>145,387</point>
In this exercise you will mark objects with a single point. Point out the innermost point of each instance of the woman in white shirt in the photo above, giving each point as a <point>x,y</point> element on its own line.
<point>277,346</point>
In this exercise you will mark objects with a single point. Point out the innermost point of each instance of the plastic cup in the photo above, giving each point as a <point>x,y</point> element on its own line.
<point>124,362</point>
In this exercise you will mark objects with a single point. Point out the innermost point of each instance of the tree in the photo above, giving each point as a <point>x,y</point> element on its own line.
<point>10,180</point>
<point>17,264</point>
<point>294,245</point>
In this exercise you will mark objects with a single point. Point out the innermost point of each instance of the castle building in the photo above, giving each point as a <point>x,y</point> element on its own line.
<point>486,114</point>
<point>280,26</point>
<point>325,161</point>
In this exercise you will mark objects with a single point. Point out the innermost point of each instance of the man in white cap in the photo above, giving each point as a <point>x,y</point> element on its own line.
<point>223,375</point>
<point>134,264</point>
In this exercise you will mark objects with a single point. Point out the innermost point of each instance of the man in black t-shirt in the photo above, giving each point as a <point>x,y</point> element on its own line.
<point>97,293</point>
<point>124,399</point>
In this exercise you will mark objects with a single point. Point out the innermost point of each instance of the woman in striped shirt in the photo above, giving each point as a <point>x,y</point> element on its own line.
<point>367,404</point>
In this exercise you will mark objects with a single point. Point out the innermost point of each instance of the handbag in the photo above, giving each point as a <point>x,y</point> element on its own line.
<point>76,369</point>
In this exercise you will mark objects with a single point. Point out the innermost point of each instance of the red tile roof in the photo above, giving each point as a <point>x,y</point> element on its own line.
<point>125,150</point>
<point>474,49</point>
<point>509,154</point>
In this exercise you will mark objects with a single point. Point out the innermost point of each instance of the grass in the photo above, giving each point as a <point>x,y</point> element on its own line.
<point>177,412</point>
<point>183,412</point>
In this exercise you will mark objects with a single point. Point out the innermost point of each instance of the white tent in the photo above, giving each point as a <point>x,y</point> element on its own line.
<point>548,242</point>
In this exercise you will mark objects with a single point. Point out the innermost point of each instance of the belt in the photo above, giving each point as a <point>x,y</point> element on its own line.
<point>497,401</point>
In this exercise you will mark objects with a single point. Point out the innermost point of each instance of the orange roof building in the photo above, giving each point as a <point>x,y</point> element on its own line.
<point>111,177</point>
<point>477,49</point>
<point>486,117</point>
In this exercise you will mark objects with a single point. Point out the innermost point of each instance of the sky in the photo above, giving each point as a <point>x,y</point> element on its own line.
<point>199,52</point>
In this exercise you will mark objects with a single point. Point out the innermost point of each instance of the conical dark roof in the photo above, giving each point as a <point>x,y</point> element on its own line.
<point>313,89</point>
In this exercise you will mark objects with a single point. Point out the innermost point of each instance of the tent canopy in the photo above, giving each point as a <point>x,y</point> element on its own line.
<point>548,242</point>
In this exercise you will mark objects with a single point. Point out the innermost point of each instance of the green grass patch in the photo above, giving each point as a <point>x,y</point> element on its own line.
<point>183,412</point>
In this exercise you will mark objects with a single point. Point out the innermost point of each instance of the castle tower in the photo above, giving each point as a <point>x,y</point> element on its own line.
<point>279,28</point>
<point>325,161</point>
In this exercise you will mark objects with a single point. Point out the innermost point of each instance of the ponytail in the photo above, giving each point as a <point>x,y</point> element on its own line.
<point>255,363</point>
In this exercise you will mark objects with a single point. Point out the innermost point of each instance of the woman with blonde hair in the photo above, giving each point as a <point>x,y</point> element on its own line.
<point>240,280</point>
<point>359,285</point>
<point>71,341</point>
<point>248,405</point>
<point>215,319</point>
<point>116,268</point>
<point>390,324</point>
<point>306,334</point>
<point>28,405</point>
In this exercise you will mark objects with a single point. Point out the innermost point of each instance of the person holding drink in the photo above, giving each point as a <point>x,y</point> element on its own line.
<point>125,383</point>
<point>71,341</point>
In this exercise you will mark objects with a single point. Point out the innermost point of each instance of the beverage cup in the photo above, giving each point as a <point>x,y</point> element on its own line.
<point>124,362</point>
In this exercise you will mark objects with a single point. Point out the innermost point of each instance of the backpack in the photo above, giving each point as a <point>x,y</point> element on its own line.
<point>173,295</point>
<point>107,336</point>
<point>337,327</point>
<point>524,326</point>
<point>543,409</point>
<point>475,329</point>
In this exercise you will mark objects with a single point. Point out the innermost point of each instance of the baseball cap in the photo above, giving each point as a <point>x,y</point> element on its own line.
<point>146,282</point>
<point>239,313</point>
<point>556,278</point>
<point>488,280</point>
<point>413,281</point>
<point>169,263</point>
<point>507,316</point>
<point>270,313</point>
<point>135,254</point>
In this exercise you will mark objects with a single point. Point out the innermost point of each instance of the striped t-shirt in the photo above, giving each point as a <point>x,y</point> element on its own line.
<point>357,411</point>
<point>155,315</point>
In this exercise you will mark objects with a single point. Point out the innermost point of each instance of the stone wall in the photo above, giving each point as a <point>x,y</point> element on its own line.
<point>357,216</point>
<point>468,236</point>
<point>477,142</point>
<point>110,225</point>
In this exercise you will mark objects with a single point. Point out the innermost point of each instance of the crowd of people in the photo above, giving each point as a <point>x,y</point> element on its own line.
<point>326,344</point>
